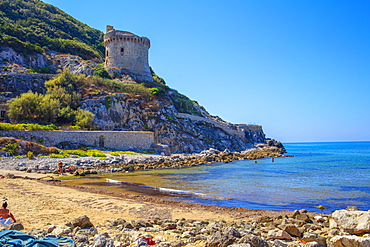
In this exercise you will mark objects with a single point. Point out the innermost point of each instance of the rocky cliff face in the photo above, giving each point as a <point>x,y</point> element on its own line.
<point>180,131</point>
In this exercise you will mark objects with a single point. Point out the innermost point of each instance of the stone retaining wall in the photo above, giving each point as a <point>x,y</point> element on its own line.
<point>121,140</point>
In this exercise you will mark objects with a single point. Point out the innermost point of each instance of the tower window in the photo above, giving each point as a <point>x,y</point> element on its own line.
<point>122,50</point>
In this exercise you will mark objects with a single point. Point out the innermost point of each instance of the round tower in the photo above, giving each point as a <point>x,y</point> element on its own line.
<point>127,51</point>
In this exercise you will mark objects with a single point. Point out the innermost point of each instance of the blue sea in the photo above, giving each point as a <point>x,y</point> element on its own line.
<point>332,174</point>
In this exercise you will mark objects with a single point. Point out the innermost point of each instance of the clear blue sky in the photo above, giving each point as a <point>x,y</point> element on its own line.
<point>301,69</point>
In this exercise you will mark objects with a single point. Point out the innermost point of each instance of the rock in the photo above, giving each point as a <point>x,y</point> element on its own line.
<point>219,240</point>
<point>230,232</point>
<point>51,228</point>
<point>313,244</point>
<point>240,245</point>
<point>348,241</point>
<point>101,241</point>
<point>314,237</point>
<point>59,231</point>
<point>319,219</point>
<point>80,238</point>
<point>352,208</point>
<point>254,241</point>
<point>188,234</point>
<point>177,243</point>
<point>82,221</point>
<point>16,226</point>
<point>9,175</point>
<point>168,226</point>
<point>291,229</point>
<point>279,243</point>
<point>164,244</point>
<point>278,234</point>
<point>353,222</point>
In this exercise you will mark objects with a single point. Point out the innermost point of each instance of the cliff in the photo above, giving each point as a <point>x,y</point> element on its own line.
<point>188,128</point>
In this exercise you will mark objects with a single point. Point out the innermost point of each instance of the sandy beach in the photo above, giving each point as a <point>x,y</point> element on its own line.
<point>37,204</point>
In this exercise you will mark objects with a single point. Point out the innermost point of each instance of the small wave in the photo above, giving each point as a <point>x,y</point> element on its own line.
<point>165,190</point>
<point>113,181</point>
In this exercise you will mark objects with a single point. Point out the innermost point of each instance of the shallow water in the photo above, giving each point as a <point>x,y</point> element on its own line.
<point>335,175</point>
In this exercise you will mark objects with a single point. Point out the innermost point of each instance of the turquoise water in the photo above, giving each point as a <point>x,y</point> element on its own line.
<point>335,175</point>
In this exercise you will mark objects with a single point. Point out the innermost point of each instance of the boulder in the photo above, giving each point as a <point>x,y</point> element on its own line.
<point>353,222</point>
<point>253,240</point>
<point>16,226</point>
<point>348,241</point>
<point>278,234</point>
<point>314,237</point>
<point>291,229</point>
<point>219,240</point>
<point>82,221</point>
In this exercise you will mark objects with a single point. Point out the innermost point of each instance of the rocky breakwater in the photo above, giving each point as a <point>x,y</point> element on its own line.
<point>206,157</point>
<point>81,166</point>
<point>349,227</point>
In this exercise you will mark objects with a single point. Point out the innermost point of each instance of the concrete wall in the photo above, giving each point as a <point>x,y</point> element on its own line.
<point>121,140</point>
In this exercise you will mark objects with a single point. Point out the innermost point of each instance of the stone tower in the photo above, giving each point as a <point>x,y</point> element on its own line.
<point>127,51</point>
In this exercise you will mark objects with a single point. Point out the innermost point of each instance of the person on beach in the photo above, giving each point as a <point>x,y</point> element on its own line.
<point>6,216</point>
<point>60,167</point>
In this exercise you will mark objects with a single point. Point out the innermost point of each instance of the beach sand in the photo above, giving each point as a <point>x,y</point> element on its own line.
<point>37,204</point>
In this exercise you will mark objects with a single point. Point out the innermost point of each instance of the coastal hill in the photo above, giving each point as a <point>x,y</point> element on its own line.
<point>44,49</point>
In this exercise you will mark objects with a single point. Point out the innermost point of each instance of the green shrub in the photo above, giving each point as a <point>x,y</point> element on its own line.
<point>102,73</point>
<point>59,156</point>
<point>10,148</point>
<point>84,119</point>
<point>79,152</point>
<point>42,70</point>
<point>30,155</point>
<point>127,152</point>
<point>114,153</point>
<point>33,107</point>
<point>96,153</point>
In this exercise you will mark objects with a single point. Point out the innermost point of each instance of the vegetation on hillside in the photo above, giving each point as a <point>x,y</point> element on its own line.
<point>59,105</point>
<point>9,126</point>
<point>34,26</point>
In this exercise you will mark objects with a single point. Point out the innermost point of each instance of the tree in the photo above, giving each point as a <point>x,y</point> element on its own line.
<point>25,107</point>
<point>60,104</point>
<point>65,87</point>
<point>34,107</point>
<point>84,118</point>
<point>50,108</point>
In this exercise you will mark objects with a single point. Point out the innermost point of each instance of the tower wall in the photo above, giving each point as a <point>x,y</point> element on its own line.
<point>126,50</point>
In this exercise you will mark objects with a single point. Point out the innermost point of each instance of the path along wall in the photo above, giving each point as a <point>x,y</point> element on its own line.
<point>121,140</point>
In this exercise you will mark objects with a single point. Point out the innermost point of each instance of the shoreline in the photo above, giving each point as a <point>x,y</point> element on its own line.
<point>44,206</point>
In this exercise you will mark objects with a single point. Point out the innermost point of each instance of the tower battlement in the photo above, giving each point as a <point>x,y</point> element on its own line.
<point>127,51</point>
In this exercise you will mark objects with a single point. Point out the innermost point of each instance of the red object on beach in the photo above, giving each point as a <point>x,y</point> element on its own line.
<point>149,241</point>
<point>302,241</point>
